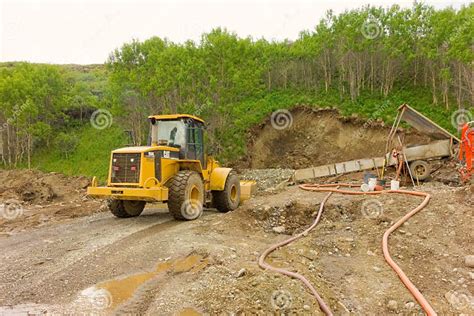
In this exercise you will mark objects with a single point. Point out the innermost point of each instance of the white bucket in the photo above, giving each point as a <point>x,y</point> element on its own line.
<point>365,187</point>
<point>372,183</point>
<point>394,185</point>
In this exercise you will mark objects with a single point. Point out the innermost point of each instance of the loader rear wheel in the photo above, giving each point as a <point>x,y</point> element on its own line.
<point>186,195</point>
<point>228,199</point>
<point>126,208</point>
<point>420,170</point>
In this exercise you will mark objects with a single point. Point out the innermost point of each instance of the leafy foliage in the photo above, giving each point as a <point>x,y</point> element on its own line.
<point>350,61</point>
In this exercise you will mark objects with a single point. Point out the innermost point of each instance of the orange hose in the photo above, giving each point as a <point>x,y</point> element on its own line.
<point>333,188</point>
<point>264,265</point>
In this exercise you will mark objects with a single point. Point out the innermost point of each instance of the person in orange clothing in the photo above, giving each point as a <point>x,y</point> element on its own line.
<point>466,152</point>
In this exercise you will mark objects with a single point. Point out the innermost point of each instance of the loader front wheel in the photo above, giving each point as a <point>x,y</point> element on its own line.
<point>228,199</point>
<point>126,208</point>
<point>186,195</point>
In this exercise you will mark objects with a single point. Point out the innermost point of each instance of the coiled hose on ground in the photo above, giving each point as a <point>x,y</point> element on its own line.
<point>264,265</point>
<point>334,188</point>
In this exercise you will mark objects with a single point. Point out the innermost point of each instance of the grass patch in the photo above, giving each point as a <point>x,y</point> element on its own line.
<point>91,156</point>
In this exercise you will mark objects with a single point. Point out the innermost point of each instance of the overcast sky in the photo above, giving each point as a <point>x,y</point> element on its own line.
<point>86,31</point>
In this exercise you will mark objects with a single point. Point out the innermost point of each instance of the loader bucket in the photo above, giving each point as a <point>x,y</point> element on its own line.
<point>247,189</point>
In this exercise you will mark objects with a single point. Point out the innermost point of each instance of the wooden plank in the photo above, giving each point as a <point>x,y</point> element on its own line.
<point>303,174</point>
<point>338,168</point>
<point>323,171</point>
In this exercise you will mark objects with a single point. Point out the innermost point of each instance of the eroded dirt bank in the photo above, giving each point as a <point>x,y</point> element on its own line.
<point>318,137</point>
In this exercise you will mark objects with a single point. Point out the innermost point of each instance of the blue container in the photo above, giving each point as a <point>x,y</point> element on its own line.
<point>368,176</point>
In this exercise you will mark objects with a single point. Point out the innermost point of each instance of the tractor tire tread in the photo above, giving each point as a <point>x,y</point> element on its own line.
<point>176,189</point>
<point>220,199</point>
<point>117,208</point>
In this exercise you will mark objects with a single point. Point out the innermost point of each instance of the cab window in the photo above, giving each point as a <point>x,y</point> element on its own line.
<point>171,133</point>
<point>195,141</point>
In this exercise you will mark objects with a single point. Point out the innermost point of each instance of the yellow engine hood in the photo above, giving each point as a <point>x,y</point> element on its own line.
<point>142,149</point>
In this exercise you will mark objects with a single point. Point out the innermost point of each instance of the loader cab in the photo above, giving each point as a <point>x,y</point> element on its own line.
<point>184,132</point>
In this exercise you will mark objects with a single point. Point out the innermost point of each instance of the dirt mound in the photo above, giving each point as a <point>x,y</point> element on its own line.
<point>35,187</point>
<point>37,193</point>
<point>292,217</point>
<point>30,198</point>
<point>318,137</point>
<point>289,218</point>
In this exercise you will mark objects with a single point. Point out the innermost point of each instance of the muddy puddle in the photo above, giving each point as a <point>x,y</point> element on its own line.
<point>189,312</point>
<point>110,294</point>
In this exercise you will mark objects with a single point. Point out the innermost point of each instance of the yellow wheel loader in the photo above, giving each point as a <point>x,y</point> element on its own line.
<point>173,168</point>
